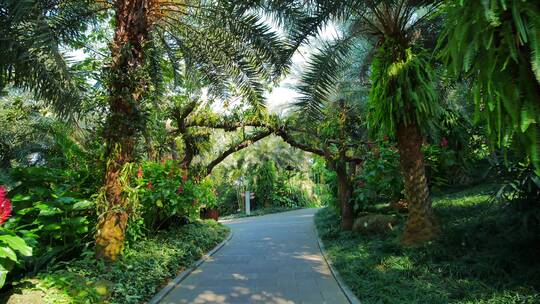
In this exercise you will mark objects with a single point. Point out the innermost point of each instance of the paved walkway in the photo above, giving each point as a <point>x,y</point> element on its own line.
<point>270,259</point>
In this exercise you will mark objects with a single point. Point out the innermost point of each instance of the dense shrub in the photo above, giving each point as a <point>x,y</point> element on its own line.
<point>53,211</point>
<point>379,180</point>
<point>228,199</point>
<point>266,184</point>
<point>440,163</point>
<point>167,194</point>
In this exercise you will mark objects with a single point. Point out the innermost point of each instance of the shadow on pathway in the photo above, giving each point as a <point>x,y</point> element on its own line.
<point>270,259</point>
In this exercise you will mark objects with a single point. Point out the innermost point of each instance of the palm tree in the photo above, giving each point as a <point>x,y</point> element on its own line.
<point>230,47</point>
<point>32,34</point>
<point>496,44</point>
<point>402,99</point>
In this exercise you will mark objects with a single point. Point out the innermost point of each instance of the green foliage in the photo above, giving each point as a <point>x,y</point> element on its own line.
<point>520,190</point>
<point>497,44</point>
<point>167,195</point>
<point>324,70</point>
<point>31,57</point>
<point>133,279</point>
<point>296,191</point>
<point>325,181</point>
<point>403,89</point>
<point>379,180</point>
<point>478,259</point>
<point>54,210</point>
<point>266,178</point>
<point>11,248</point>
<point>440,161</point>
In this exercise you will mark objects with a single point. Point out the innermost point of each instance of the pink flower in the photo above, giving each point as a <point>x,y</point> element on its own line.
<point>139,173</point>
<point>5,205</point>
<point>149,185</point>
<point>444,142</point>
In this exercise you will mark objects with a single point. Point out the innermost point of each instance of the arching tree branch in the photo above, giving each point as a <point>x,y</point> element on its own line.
<point>244,144</point>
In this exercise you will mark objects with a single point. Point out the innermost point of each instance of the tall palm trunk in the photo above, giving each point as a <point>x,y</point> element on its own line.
<point>344,195</point>
<point>420,226</point>
<point>126,88</point>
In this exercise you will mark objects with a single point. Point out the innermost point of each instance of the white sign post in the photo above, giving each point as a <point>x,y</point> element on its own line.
<point>247,197</point>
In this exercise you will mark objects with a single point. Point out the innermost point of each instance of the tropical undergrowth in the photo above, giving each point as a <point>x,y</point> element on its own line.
<point>144,268</point>
<point>484,255</point>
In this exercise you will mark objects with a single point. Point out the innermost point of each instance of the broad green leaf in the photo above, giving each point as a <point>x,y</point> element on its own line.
<point>82,205</point>
<point>3,275</point>
<point>6,252</point>
<point>52,227</point>
<point>17,244</point>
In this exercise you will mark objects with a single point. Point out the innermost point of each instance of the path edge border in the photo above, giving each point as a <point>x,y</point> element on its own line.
<point>180,277</point>
<point>344,288</point>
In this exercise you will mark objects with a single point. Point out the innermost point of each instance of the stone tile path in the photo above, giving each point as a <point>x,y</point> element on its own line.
<point>270,259</point>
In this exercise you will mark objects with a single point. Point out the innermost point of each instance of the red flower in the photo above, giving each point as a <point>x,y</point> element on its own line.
<point>180,189</point>
<point>139,173</point>
<point>5,205</point>
<point>149,185</point>
<point>444,142</point>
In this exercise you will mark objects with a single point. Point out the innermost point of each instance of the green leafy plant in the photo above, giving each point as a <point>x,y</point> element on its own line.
<point>439,163</point>
<point>496,43</point>
<point>266,179</point>
<point>379,180</point>
<point>54,210</point>
<point>167,193</point>
<point>11,245</point>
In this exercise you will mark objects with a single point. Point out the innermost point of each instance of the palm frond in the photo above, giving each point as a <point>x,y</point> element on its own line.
<point>31,33</point>
<point>324,69</point>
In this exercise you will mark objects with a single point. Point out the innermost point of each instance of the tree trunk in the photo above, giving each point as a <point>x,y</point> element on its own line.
<point>344,194</point>
<point>127,85</point>
<point>420,226</point>
<point>174,150</point>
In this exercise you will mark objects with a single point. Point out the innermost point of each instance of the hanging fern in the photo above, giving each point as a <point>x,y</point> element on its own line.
<point>402,89</point>
<point>497,44</point>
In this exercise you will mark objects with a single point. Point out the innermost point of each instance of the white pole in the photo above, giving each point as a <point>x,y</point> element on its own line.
<point>248,207</point>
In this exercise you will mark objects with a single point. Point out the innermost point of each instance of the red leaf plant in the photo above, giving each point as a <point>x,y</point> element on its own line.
<point>5,205</point>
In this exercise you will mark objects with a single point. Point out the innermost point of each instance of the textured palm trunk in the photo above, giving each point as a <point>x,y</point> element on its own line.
<point>344,194</point>
<point>126,88</point>
<point>420,226</point>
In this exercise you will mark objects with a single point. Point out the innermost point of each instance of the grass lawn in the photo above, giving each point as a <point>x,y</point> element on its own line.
<point>482,256</point>
<point>144,269</point>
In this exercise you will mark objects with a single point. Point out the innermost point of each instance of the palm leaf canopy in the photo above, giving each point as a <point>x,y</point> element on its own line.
<point>370,25</point>
<point>31,57</point>
<point>497,45</point>
<point>232,48</point>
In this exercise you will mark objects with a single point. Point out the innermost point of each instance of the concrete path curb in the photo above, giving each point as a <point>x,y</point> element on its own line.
<point>346,290</point>
<point>179,278</point>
